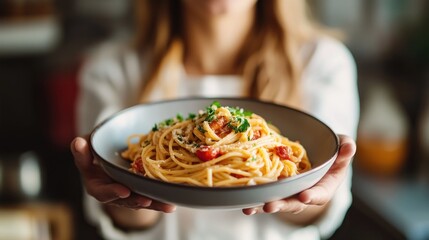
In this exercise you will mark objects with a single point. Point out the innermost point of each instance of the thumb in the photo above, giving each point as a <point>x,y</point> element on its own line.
<point>82,155</point>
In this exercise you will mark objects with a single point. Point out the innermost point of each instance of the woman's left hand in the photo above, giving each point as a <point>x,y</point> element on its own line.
<point>321,193</point>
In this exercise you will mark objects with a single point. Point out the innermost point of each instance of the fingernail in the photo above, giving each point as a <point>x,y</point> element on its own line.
<point>79,142</point>
<point>73,145</point>
<point>275,210</point>
<point>123,195</point>
<point>252,212</point>
<point>146,203</point>
<point>170,209</point>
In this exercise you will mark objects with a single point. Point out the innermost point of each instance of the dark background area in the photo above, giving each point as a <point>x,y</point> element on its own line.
<point>38,88</point>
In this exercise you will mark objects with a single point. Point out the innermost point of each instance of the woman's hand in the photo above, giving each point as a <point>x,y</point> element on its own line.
<point>99,185</point>
<point>310,203</point>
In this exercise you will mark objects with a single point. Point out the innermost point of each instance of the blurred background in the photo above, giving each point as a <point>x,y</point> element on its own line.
<point>44,42</point>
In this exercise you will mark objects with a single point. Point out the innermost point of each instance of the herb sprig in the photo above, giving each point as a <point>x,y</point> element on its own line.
<point>211,111</point>
<point>171,121</point>
<point>237,123</point>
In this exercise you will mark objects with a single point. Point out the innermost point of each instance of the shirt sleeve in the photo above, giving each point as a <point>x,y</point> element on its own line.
<point>108,82</point>
<point>330,81</point>
<point>330,88</point>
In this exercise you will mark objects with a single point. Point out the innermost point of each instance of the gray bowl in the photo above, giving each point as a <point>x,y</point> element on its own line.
<point>109,138</point>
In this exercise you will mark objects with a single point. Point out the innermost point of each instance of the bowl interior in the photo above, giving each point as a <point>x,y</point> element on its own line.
<point>109,137</point>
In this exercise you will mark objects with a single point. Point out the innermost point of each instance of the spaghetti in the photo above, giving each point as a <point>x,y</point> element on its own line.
<point>220,146</point>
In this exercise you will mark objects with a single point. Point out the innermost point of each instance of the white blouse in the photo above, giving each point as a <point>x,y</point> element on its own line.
<point>111,80</point>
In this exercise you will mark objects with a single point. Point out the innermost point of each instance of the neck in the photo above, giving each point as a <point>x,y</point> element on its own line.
<point>212,44</point>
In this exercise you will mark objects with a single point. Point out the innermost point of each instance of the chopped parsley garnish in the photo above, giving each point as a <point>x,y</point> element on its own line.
<point>239,124</point>
<point>191,116</point>
<point>239,112</point>
<point>169,121</point>
<point>210,117</point>
<point>196,145</point>
<point>216,103</point>
<point>211,111</point>
<point>201,129</point>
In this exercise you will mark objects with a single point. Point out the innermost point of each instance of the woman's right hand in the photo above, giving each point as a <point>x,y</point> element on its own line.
<point>99,185</point>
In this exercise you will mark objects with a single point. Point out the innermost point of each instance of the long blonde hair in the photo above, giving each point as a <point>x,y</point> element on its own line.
<point>270,61</point>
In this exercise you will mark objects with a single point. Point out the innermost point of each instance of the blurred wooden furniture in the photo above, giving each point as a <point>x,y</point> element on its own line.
<point>48,221</point>
<point>28,27</point>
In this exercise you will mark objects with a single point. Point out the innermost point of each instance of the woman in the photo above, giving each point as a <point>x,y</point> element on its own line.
<point>268,50</point>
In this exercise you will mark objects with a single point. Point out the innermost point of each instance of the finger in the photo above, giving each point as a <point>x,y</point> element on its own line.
<point>97,183</point>
<point>106,192</point>
<point>346,151</point>
<point>160,206</point>
<point>289,205</point>
<point>317,195</point>
<point>82,155</point>
<point>84,160</point>
<point>252,210</point>
<point>136,201</point>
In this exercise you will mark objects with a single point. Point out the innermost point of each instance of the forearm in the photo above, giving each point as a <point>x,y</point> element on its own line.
<point>130,219</point>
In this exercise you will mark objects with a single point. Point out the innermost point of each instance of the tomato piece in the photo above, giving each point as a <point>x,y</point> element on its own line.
<point>237,175</point>
<point>256,134</point>
<point>225,130</point>
<point>218,123</point>
<point>207,153</point>
<point>220,126</point>
<point>284,152</point>
<point>137,165</point>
